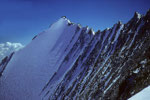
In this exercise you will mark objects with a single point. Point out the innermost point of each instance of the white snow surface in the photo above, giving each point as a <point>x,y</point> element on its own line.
<point>31,67</point>
<point>142,95</point>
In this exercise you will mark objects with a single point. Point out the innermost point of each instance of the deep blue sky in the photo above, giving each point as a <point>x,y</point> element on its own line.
<point>20,20</point>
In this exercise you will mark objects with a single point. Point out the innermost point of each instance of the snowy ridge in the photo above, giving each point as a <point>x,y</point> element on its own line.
<point>68,61</point>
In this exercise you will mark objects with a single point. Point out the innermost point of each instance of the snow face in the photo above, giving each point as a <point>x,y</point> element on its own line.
<point>8,47</point>
<point>142,95</point>
<point>30,68</point>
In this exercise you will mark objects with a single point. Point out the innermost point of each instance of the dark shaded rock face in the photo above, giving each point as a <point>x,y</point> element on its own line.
<point>4,63</point>
<point>111,65</point>
<point>114,64</point>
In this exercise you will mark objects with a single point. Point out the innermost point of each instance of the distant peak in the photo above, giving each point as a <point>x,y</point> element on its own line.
<point>64,17</point>
<point>61,22</point>
<point>107,28</point>
<point>137,15</point>
<point>148,12</point>
<point>67,20</point>
<point>91,31</point>
<point>119,22</point>
<point>97,32</point>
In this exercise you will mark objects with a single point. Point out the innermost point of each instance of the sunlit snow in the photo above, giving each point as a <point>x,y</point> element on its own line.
<point>142,95</point>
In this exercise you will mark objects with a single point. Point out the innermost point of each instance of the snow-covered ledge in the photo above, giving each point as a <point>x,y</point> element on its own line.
<point>142,95</point>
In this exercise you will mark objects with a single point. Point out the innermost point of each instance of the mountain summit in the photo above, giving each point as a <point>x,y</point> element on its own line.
<point>68,61</point>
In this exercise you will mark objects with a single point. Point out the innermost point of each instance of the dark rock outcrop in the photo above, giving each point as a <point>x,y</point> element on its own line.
<point>4,63</point>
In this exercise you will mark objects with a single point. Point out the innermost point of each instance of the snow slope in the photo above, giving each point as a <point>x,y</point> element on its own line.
<point>30,68</point>
<point>142,95</point>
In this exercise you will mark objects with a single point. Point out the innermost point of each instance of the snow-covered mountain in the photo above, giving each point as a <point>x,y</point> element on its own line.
<point>68,62</point>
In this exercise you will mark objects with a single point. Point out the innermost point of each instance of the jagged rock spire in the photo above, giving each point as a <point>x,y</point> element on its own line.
<point>64,17</point>
<point>148,12</point>
<point>137,15</point>
<point>119,22</point>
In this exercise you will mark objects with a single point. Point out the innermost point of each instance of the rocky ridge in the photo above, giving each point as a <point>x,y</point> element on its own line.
<point>113,64</point>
